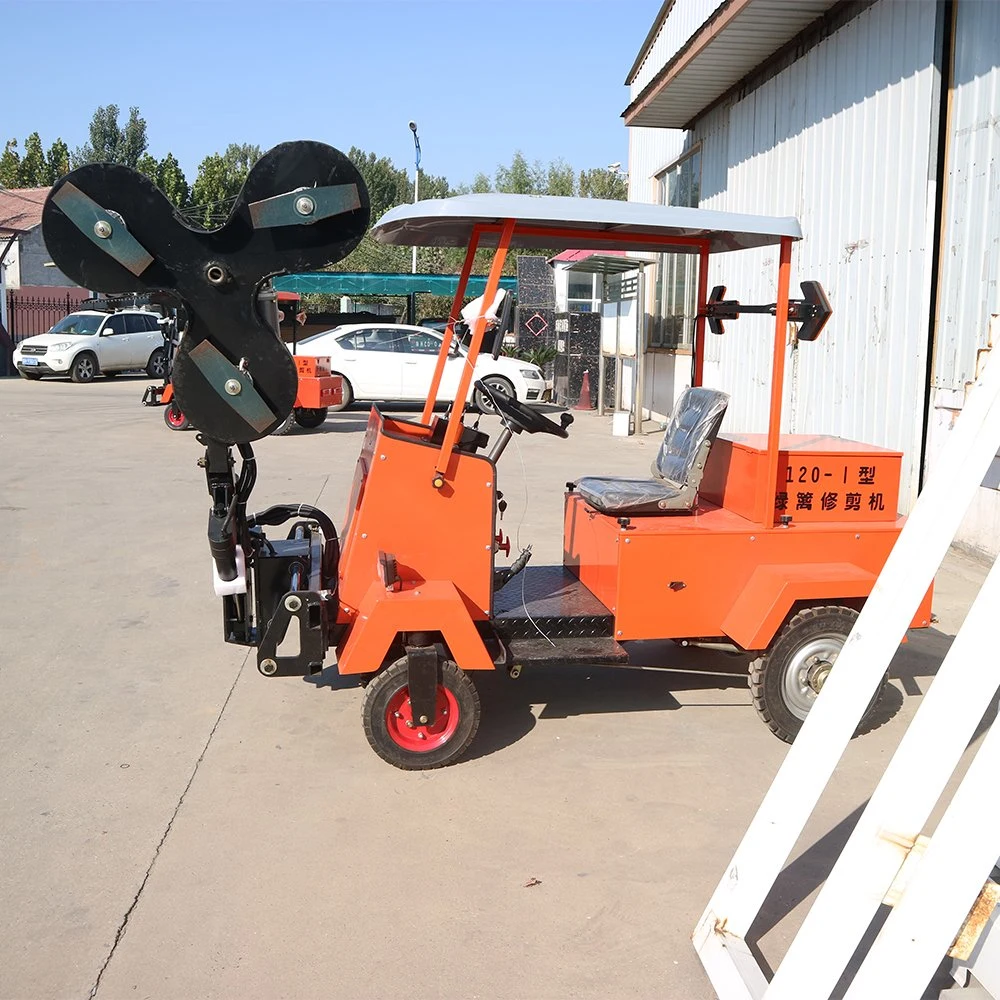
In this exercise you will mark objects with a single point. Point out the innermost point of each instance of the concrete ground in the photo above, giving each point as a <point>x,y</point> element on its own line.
<point>173,824</point>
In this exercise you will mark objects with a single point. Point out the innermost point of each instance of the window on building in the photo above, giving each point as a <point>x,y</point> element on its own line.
<point>582,290</point>
<point>677,274</point>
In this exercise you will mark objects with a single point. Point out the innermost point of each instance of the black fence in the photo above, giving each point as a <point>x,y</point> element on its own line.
<point>28,315</point>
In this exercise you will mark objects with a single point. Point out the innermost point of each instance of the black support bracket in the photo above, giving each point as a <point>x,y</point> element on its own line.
<point>422,681</point>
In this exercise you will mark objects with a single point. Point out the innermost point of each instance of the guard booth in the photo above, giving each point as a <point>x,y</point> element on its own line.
<point>617,381</point>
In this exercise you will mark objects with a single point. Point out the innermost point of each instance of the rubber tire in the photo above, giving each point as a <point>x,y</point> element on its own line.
<point>156,367</point>
<point>767,671</point>
<point>348,396</point>
<point>380,691</point>
<point>182,425</point>
<point>80,372</point>
<point>286,426</point>
<point>308,418</point>
<point>30,376</point>
<point>111,374</point>
<point>482,401</point>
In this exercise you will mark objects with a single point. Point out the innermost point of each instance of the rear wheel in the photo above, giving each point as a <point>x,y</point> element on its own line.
<point>493,382</point>
<point>399,739</point>
<point>156,367</point>
<point>787,679</point>
<point>310,418</point>
<point>174,419</point>
<point>347,398</point>
<point>84,368</point>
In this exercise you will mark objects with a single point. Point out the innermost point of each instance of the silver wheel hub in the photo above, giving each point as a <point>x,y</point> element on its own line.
<point>807,672</point>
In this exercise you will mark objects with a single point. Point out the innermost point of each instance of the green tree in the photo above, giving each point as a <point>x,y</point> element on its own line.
<point>603,183</point>
<point>34,170</point>
<point>57,161</point>
<point>10,165</point>
<point>388,185</point>
<point>521,177</point>
<point>561,179</point>
<point>147,165</point>
<point>220,177</point>
<point>171,180</point>
<point>109,142</point>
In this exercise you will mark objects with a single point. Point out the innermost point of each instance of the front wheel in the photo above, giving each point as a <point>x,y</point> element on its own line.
<point>400,740</point>
<point>84,368</point>
<point>492,382</point>
<point>308,418</point>
<point>174,419</point>
<point>786,680</point>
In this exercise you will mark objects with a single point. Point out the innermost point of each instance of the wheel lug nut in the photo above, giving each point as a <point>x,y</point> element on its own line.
<point>421,736</point>
<point>398,715</point>
<point>409,725</point>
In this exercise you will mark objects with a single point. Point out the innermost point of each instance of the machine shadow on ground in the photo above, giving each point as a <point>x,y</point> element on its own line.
<point>663,669</point>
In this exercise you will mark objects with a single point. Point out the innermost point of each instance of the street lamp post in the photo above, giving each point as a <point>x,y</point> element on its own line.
<point>416,179</point>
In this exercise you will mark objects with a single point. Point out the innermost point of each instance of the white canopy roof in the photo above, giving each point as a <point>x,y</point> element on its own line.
<point>595,224</point>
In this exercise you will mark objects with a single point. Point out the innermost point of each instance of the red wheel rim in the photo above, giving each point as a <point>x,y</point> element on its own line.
<point>416,738</point>
<point>175,418</point>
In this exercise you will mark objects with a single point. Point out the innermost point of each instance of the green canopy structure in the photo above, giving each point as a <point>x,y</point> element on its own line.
<point>344,283</point>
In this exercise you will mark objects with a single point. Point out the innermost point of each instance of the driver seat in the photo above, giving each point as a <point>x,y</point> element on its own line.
<point>679,465</point>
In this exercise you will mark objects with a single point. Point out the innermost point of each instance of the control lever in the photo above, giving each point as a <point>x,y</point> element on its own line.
<point>565,419</point>
<point>501,506</point>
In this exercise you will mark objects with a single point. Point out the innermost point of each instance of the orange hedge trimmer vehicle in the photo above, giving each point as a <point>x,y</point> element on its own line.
<point>318,390</point>
<point>768,542</point>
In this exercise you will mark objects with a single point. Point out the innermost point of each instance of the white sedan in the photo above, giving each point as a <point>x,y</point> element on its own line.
<point>394,361</point>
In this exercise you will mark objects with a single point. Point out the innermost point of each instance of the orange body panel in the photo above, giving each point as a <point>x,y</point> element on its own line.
<point>714,573</point>
<point>316,393</point>
<point>434,534</point>
<point>434,605</point>
<point>168,393</point>
<point>819,478</point>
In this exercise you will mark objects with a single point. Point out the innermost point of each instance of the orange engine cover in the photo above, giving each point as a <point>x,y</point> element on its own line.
<point>309,366</point>
<point>820,478</point>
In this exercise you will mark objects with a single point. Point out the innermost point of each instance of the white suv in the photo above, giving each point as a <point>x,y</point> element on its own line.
<point>89,343</point>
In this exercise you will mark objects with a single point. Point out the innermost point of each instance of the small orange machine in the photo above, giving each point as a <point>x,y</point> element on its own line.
<point>318,390</point>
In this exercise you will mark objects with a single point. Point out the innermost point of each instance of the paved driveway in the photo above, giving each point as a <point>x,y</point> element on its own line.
<point>174,824</point>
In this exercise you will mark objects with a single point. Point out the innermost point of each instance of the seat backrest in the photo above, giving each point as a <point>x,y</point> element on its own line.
<point>690,432</point>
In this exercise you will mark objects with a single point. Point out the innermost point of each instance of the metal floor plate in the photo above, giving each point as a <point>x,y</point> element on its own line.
<point>550,599</point>
<point>546,592</point>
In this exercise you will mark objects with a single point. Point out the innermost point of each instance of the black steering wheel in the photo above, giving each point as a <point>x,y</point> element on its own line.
<point>519,417</point>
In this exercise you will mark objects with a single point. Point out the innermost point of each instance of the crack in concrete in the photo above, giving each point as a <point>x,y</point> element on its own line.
<point>120,933</point>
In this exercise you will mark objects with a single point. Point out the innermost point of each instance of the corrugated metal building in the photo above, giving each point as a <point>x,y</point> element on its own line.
<point>877,124</point>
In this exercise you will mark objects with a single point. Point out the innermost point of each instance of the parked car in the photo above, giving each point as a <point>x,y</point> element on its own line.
<point>90,343</point>
<point>394,361</point>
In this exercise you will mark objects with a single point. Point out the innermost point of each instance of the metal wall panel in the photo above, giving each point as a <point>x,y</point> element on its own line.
<point>970,263</point>
<point>845,140</point>
<point>649,151</point>
<point>683,20</point>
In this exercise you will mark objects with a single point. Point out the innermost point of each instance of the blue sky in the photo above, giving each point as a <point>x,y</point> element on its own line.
<point>480,77</point>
